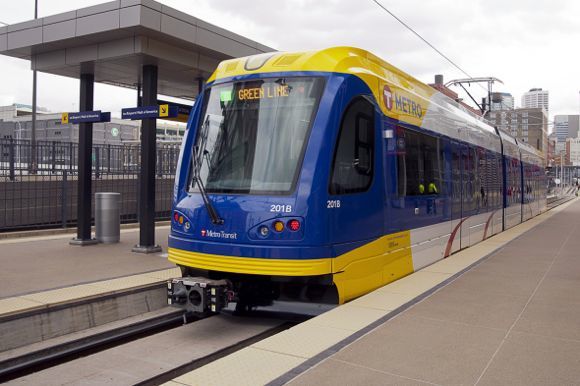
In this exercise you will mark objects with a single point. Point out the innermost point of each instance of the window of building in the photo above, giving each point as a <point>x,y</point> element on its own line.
<point>419,163</point>
<point>353,164</point>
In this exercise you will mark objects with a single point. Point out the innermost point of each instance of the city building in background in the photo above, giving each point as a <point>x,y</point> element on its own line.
<point>18,110</point>
<point>565,126</point>
<point>537,98</point>
<point>502,101</point>
<point>551,153</point>
<point>572,151</point>
<point>529,125</point>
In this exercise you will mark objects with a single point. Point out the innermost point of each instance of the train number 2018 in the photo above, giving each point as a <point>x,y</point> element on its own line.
<point>332,204</point>
<point>281,208</point>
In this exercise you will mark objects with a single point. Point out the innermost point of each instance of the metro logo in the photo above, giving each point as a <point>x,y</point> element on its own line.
<point>219,234</point>
<point>408,106</point>
<point>401,103</point>
<point>387,97</point>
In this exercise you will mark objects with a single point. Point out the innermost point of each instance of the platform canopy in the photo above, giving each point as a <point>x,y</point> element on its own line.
<point>114,40</point>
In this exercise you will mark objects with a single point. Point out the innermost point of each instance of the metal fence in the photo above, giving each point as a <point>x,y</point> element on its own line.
<point>45,194</point>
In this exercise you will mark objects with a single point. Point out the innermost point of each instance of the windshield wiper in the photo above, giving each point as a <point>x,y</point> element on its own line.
<point>197,162</point>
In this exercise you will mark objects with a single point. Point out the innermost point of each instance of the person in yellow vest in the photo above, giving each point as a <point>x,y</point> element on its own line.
<point>421,188</point>
<point>432,188</point>
<point>431,204</point>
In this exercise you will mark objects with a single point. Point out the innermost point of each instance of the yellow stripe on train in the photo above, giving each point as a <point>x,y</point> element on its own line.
<point>354,273</point>
<point>399,95</point>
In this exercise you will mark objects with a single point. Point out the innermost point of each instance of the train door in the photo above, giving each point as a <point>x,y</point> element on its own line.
<point>356,197</point>
<point>468,193</point>
<point>457,184</point>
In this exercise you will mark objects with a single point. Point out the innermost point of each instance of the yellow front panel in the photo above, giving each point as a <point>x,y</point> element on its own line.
<point>373,265</point>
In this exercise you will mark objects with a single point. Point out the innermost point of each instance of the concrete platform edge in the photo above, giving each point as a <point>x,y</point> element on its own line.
<point>309,363</point>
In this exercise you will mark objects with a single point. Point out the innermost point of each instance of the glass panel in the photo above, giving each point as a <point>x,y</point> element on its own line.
<point>352,168</point>
<point>420,163</point>
<point>253,134</point>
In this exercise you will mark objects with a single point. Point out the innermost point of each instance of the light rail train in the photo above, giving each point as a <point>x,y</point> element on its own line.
<point>320,176</point>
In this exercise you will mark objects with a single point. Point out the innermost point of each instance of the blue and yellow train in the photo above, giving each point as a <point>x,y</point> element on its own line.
<point>320,176</point>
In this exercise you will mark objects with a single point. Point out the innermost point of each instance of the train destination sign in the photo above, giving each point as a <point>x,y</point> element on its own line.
<point>266,91</point>
<point>85,117</point>
<point>161,111</point>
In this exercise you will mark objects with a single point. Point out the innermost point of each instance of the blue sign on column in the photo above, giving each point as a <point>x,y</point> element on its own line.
<point>161,111</point>
<point>86,116</point>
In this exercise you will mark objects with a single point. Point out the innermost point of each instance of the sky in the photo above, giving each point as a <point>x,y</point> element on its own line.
<point>525,43</point>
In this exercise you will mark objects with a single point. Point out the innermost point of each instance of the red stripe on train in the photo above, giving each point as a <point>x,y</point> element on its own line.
<point>452,237</point>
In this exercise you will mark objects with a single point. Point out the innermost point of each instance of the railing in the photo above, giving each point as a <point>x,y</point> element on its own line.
<point>45,194</point>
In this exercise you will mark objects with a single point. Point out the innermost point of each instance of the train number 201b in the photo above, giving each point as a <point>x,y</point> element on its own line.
<point>332,204</point>
<point>281,208</point>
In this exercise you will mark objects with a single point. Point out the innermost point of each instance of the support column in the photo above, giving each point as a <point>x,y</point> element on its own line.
<point>147,176</point>
<point>85,165</point>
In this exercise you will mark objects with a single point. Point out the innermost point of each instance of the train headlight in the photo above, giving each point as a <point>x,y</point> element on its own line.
<point>264,231</point>
<point>278,226</point>
<point>294,225</point>
<point>187,225</point>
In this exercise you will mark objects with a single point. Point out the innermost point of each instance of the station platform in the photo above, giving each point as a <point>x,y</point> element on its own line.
<point>506,311</point>
<point>34,264</point>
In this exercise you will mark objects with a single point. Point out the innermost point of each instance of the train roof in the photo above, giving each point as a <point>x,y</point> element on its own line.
<point>399,95</point>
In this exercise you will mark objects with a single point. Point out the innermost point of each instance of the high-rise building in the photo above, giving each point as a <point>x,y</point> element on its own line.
<point>535,98</point>
<point>502,101</point>
<point>566,126</point>
<point>527,125</point>
<point>573,151</point>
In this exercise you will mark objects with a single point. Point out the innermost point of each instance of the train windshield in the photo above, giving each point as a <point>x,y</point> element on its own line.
<point>253,134</point>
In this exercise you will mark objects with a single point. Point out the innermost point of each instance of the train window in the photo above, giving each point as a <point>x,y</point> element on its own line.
<point>420,163</point>
<point>352,167</point>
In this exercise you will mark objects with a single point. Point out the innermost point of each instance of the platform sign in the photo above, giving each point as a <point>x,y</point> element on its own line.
<point>182,110</point>
<point>161,111</point>
<point>85,117</point>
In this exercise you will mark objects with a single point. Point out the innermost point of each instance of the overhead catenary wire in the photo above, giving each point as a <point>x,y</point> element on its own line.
<point>425,41</point>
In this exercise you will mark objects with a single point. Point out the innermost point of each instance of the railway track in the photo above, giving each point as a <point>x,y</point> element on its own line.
<point>190,345</point>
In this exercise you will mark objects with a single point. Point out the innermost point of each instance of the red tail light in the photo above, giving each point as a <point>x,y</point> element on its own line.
<point>294,225</point>
<point>175,216</point>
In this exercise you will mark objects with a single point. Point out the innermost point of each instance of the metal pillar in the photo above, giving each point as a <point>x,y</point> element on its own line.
<point>85,165</point>
<point>33,161</point>
<point>147,175</point>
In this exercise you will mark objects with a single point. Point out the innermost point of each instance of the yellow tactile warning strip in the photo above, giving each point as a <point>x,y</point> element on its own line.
<point>51,298</point>
<point>280,355</point>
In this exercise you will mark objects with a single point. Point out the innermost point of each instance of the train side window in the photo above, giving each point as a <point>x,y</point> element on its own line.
<point>353,164</point>
<point>419,163</point>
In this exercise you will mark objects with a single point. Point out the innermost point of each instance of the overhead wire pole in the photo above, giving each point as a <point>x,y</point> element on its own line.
<point>33,160</point>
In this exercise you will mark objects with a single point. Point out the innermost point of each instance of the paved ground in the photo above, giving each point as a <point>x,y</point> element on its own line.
<point>512,320</point>
<point>50,262</point>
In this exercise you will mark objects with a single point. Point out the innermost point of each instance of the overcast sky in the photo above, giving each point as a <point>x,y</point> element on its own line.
<point>525,43</point>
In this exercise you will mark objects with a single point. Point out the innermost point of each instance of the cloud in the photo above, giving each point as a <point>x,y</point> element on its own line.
<point>524,43</point>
